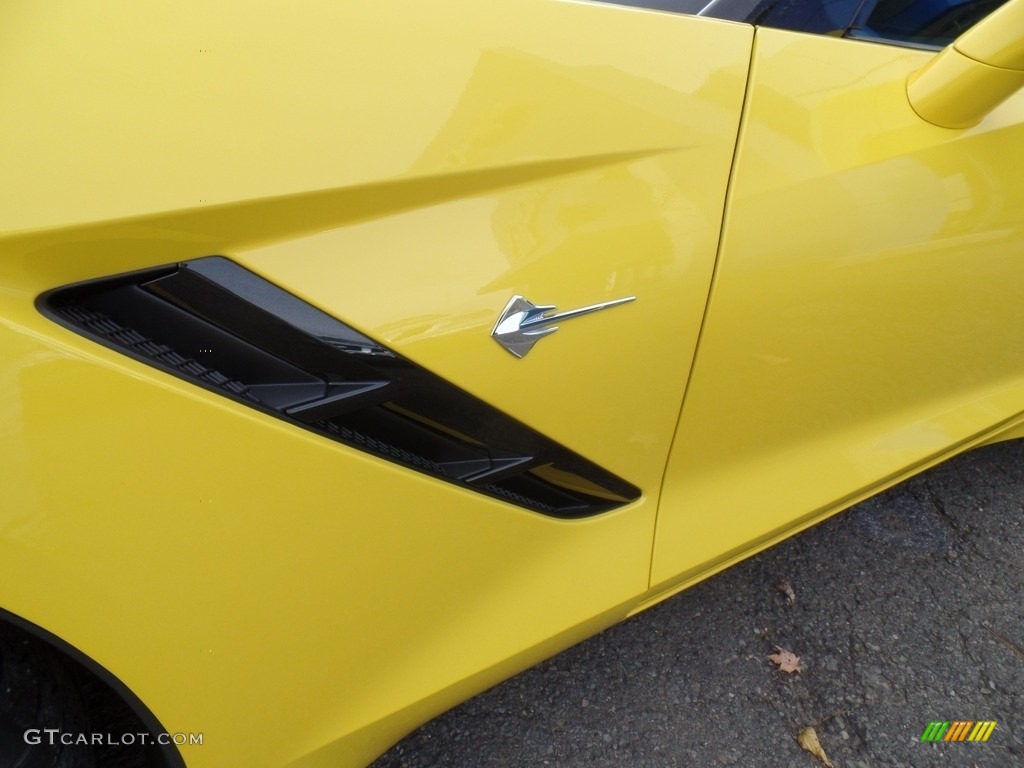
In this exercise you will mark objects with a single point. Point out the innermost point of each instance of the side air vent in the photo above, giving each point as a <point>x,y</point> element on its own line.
<point>220,326</point>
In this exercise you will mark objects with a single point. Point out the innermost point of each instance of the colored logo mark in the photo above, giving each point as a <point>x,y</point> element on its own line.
<point>958,730</point>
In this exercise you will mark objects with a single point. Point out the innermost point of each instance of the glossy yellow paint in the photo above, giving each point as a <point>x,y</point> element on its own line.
<point>863,321</point>
<point>955,91</point>
<point>997,40</point>
<point>407,171</point>
<point>975,74</point>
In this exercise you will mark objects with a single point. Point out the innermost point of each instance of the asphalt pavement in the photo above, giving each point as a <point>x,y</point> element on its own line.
<point>907,610</point>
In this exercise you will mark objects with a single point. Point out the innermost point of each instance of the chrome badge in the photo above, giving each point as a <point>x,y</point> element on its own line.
<point>523,323</point>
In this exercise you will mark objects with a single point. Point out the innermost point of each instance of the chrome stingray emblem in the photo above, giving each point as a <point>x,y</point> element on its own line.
<point>523,323</point>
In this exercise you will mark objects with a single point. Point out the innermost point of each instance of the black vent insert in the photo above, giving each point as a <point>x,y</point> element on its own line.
<point>218,325</point>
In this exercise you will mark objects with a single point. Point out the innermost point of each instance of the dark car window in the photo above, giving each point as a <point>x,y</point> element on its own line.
<point>927,23</point>
<point>921,22</point>
<point>824,17</point>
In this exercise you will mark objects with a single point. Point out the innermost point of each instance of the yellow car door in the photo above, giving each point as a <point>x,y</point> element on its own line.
<point>863,324</point>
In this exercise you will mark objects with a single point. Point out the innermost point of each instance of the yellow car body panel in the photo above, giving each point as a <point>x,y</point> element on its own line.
<point>862,323</point>
<point>824,304</point>
<point>406,171</point>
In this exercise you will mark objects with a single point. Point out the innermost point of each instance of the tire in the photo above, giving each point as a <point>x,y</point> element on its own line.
<point>38,691</point>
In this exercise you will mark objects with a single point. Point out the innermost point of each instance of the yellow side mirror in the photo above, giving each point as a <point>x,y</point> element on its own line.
<point>975,73</point>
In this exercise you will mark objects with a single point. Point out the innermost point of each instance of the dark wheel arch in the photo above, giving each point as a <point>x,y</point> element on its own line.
<point>106,700</point>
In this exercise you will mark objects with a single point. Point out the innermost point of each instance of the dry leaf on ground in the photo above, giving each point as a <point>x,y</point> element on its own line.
<point>808,739</point>
<point>787,660</point>
<point>784,587</point>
